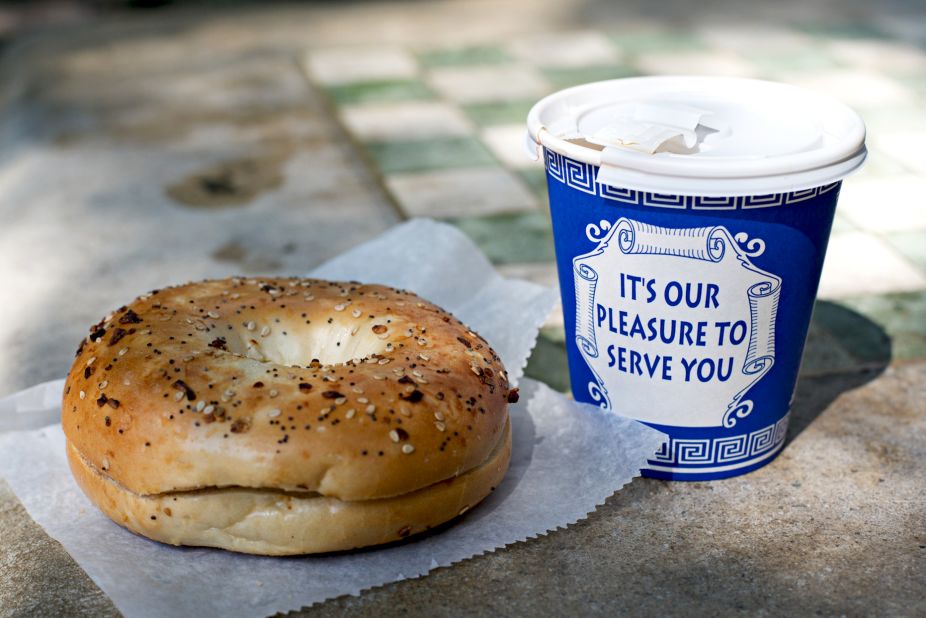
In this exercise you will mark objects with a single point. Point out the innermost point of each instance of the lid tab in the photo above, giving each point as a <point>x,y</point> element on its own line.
<point>647,127</point>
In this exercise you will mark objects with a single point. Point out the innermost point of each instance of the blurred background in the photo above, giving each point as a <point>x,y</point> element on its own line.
<point>149,143</point>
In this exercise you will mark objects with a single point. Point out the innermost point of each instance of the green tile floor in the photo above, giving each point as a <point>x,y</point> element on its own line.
<point>852,327</point>
<point>379,91</point>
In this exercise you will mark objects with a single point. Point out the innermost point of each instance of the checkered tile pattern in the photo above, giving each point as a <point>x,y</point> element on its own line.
<point>444,127</point>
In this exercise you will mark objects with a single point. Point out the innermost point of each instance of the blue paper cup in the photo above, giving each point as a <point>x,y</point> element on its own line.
<point>690,219</point>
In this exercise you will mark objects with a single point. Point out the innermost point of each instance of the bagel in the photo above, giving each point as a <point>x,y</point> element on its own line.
<point>285,416</point>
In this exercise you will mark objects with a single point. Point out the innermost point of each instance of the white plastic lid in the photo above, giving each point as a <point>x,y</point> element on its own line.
<point>701,135</point>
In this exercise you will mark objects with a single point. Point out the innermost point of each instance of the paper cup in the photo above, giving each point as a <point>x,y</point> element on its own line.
<point>690,219</point>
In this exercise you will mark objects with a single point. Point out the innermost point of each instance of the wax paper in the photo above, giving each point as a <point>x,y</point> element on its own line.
<point>567,459</point>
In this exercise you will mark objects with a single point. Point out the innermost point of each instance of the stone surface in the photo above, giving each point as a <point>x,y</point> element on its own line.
<point>37,577</point>
<point>457,56</point>
<point>499,112</point>
<point>859,263</point>
<point>459,192</point>
<point>779,541</point>
<point>145,149</point>
<point>868,206</point>
<point>405,156</point>
<point>507,144</point>
<point>511,239</point>
<point>404,121</point>
<point>135,190</point>
<point>342,65</point>
<point>379,91</point>
<point>488,83</point>
<point>565,49</point>
<point>696,63</point>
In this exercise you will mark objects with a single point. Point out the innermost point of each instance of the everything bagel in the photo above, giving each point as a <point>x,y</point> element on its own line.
<point>285,416</point>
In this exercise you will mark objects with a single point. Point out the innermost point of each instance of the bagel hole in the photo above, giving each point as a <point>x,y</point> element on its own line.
<point>329,344</point>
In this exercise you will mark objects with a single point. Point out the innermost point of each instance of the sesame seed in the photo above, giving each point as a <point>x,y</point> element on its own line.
<point>123,351</point>
<point>187,358</point>
<point>440,426</point>
<point>179,395</point>
<point>377,376</point>
<point>356,389</point>
<point>422,341</point>
<point>424,357</point>
<point>265,331</point>
<point>439,415</point>
<point>213,315</point>
<point>250,325</point>
<point>356,313</point>
<point>82,394</point>
<point>408,449</point>
<point>394,435</point>
<point>350,413</point>
<point>476,370</point>
<point>200,405</point>
<point>91,360</point>
<point>273,393</point>
<point>229,393</point>
<point>340,401</point>
<point>417,373</point>
<point>340,307</point>
<point>385,361</point>
<point>209,409</point>
<point>308,297</point>
<point>275,412</point>
<point>371,409</point>
<point>127,382</point>
<point>362,400</point>
<point>103,384</point>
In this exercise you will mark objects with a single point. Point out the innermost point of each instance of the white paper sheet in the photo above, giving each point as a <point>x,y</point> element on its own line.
<point>567,459</point>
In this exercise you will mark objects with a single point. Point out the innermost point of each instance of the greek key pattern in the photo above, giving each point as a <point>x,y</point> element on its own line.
<point>725,450</point>
<point>581,176</point>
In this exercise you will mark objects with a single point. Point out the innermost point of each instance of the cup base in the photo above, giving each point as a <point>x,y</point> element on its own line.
<point>711,474</point>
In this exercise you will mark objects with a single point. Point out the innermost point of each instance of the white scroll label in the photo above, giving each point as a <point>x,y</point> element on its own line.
<point>676,324</point>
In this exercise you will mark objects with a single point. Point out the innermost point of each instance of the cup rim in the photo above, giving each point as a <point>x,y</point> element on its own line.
<point>726,176</point>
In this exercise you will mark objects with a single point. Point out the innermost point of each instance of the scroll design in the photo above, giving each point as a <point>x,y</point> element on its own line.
<point>751,247</point>
<point>710,244</point>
